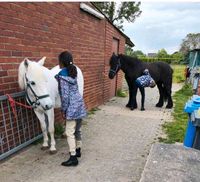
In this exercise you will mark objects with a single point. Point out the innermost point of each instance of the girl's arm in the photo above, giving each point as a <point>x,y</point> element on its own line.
<point>64,95</point>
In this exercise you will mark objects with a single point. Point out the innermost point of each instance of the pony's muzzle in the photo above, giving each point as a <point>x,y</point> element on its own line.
<point>47,107</point>
<point>111,74</point>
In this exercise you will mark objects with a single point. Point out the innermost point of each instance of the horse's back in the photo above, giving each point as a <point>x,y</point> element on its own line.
<point>160,71</point>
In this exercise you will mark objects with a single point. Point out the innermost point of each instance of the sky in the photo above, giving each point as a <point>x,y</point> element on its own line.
<point>163,25</point>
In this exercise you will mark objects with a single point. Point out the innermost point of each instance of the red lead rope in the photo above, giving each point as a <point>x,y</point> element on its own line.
<point>13,103</point>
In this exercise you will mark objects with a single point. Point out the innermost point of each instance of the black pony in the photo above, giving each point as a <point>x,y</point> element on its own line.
<point>133,68</point>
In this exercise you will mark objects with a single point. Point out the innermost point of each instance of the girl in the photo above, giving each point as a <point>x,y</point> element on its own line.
<point>72,106</point>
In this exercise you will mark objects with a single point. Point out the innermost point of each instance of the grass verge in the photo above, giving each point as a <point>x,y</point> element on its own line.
<point>179,73</point>
<point>176,130</point>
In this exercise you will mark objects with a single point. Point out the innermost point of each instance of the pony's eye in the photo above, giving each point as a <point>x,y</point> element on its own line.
<point>32,83</point>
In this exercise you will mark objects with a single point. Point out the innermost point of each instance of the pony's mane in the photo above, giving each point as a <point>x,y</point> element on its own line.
<point>129,59</point>
<point>32,65</point>
<point>21,73</point>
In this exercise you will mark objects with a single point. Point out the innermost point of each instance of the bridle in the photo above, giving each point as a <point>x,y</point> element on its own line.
<point>117,67</point>
<point>36,102</point>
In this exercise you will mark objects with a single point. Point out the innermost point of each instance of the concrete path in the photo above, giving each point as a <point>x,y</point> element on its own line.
<point>116,144</point>
<point>172,163</point>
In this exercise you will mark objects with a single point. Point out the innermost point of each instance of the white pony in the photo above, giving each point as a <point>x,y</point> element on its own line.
<point>41,89</point>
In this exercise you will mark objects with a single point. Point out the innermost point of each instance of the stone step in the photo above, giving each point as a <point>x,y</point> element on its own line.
<point>172,163</point>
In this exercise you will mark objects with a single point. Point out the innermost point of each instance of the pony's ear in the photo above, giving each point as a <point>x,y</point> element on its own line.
<point>26,62</point>
<point>41,61</point>
<point>115,54</point>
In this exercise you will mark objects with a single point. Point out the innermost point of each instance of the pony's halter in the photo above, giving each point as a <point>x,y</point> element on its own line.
<point>117,67</point>
<point>36,102</point>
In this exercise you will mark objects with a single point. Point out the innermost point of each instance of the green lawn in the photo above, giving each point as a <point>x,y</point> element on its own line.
<point>176,130</point>
<point>178,75</point>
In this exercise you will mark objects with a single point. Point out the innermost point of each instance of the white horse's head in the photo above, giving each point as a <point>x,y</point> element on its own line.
<point>31,77</point>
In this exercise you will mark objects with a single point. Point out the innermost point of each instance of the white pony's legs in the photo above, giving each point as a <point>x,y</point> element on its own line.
<point>41,118</point>
<point>50,114</point>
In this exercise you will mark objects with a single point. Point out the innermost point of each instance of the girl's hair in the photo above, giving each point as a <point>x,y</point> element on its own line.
<point>66,59</point>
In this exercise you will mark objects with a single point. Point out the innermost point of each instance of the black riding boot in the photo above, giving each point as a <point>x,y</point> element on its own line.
<point>72,161</point>
<point>78,152</point>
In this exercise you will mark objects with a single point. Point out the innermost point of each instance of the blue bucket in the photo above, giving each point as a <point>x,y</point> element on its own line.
<point>190,134</point>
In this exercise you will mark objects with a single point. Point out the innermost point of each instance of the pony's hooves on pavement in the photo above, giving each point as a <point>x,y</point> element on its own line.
<point>44,148</point>
<point>169,107</point>
<point>142,109</point>
<point>128,105</point>
<point>159,105</point>
<point>53,152</point>
<point>132,108</point>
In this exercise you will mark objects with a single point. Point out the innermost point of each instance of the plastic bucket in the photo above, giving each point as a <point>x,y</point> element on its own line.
<point>190,134</point>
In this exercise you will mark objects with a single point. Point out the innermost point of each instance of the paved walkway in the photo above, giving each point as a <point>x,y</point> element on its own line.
<point>116,144</point>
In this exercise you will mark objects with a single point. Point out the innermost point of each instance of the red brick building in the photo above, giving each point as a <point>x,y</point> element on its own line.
<point>35,30</point>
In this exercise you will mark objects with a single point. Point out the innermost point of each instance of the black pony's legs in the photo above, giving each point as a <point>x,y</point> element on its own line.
<point>132,103</point>
<point>161,101</point>
<point>130,91</point>
<point>142,91</point>
<point>133,98</point>
<point>168,87</point>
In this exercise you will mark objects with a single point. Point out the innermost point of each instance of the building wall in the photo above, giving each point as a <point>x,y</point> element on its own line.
<point>110,34</point>
<point>35,30</point>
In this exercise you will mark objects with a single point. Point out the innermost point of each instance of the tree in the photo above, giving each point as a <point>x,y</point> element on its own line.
<point>139,53</point>
<point>127,11</point>
<point>177,57</point>
<point>162,54</point>
<point>129,52</point>
<point>192,41</point>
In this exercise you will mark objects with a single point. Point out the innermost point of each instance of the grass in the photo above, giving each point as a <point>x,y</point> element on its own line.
<point>59,130</point>
<point>178,75</point>
<point>93,110</point>
<point>121,93</point>
<point>176,130</point>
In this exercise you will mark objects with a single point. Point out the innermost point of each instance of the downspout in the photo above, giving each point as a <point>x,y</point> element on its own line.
<point>104,75</point>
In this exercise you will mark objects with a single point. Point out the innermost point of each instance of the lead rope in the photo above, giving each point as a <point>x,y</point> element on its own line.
<point>13,103</point>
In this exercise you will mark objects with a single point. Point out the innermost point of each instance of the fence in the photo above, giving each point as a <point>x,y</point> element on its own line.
<point>16,133</point>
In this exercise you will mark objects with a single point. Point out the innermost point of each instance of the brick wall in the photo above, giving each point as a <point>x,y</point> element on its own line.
<point>110,34</point>
<point>45,29</point>
<point>35,30</point>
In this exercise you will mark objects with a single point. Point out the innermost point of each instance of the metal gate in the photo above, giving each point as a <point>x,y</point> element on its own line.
<point>16,133</point>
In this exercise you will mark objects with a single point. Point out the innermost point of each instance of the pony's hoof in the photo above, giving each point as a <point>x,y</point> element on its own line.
<point>142,109</point>
<point>169,106</point>
<point>132,108</point>
<point>159,105</point>
<point>44,148</point>
<point>53,152</point>
<point>128,105</point>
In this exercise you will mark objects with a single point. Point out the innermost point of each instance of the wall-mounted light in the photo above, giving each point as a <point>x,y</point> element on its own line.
<point>90,10</point>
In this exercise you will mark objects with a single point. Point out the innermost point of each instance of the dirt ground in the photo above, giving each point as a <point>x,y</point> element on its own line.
<point>116,143</point>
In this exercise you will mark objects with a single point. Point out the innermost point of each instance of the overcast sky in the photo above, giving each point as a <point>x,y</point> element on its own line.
<point>163,25</point>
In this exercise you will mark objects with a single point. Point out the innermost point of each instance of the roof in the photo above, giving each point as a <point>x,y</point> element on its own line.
<point>128,40</point>
<point>195,50</point>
